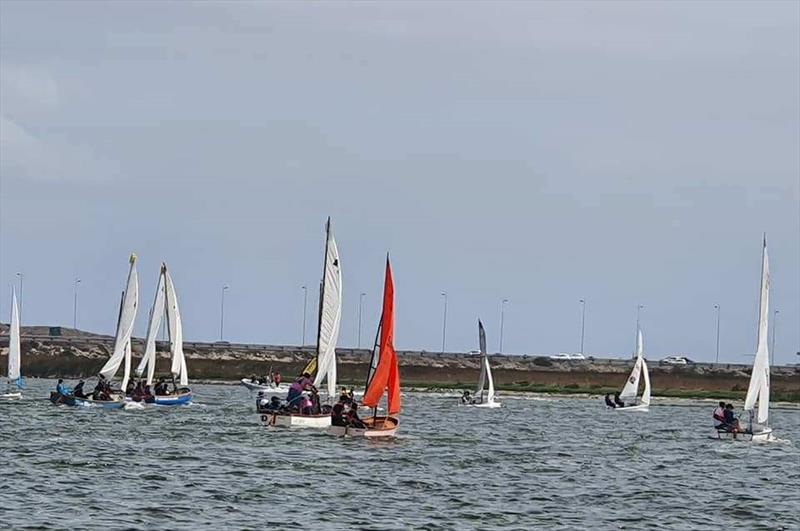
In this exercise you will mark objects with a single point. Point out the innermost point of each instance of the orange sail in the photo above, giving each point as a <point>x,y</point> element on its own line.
<point>384,374</point>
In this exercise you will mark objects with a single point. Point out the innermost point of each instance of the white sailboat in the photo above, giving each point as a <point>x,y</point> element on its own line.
<point>631,389</point>
<point>13,374</point>
<point>165,305</point>
<point>330,318</point>
<point>484,399</point>
<point>757,400</point>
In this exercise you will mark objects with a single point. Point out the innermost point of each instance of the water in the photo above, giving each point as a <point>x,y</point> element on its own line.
<point>560,463</point>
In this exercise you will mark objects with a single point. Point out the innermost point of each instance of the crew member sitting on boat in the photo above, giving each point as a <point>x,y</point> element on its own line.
<point>731,423</point>
<point>719,416</point>
<point>277,378</point>
<point>466,398</point>
<point>618,401</point>
<point>337,415</point>
<point>138,392</point>
<point>61,388</point>
<point>148,394</point>
<point>353,420</point>
<point>130,388</point>
<point>609,402</point>
<point>102,391</point>
<point>345,397</point>
<point>294,399</point>
<point>78,390</point>
<point>161,387</point>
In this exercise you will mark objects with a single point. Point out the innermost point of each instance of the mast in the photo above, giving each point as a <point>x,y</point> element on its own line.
<point>322,284</point>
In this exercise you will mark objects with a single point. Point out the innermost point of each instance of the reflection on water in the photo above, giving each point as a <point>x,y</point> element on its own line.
<point>561,463</point>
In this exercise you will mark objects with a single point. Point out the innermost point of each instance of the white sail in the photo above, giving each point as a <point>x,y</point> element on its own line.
<point>484,361</point>
<point>631,388</point>
<point>156,315</point>
<point>490,392</point>
<point>758,390</point>
<point>126,374</point>
<point>175,326</point>
<point>646,393</point>
<point>130,302</point>
<point>13,341</point>
<point>330,315</point>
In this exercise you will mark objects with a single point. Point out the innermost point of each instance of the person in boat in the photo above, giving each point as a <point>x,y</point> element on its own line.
<point>294,397</point>
<point>277,378</point>
<point>316,407</point>
<point>337,415</point>
<point>618,401</point>
<point>466,398</point>
<point>345,397</point>
<point>61,389</point>
<point>732,423</point>
<point>78,389</point>
<point>609,402</point>
<point>719,416</point>
<point>147,395</point>
<point>137,395</point>
<point>353,420</point>
<point>129,388</point>
<point>307,406</point>
<point>161,387</point>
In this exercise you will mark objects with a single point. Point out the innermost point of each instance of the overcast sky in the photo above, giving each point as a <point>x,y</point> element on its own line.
<point>625,153</point>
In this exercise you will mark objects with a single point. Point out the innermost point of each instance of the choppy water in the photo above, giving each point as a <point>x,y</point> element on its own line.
<point>561,463</point>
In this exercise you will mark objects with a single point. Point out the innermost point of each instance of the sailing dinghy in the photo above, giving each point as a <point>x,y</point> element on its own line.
<point>330,318</point>
<point>14,377</point>
<point>165,305</point>
<point>383,376</point>
<point>631,389</point>
<point>757,400</point>
<point>122,349</point>
<point>481,398</point>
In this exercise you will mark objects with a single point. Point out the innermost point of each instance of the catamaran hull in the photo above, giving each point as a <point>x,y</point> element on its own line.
<point>289,420</point>
<point>639,407</point>
<point>117,403</point>
<point>386,427</point>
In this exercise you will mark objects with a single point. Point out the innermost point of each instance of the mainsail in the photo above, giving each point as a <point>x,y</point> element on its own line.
<point>384,374</point>
<point>758,391</point>
<point>13,342</point>
<point>631,388</point>
<point>156,315</point>
<point>486,370</point>
<point>330,314</point>
<point>175,327</point>
<point>122,351</point>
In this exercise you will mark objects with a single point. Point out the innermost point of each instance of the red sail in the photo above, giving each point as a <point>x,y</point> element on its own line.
<point>386,376</point>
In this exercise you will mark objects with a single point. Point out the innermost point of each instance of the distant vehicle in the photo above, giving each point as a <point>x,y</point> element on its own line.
<point>567,356</point>
<point>222,342</point>
<point>474,352</point>
<point>676,360</point>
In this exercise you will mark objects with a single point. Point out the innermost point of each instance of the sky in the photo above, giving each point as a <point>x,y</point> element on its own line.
<point>623,153</point>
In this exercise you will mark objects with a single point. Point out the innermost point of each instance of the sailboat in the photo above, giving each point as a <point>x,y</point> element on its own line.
<point>122,349</point>
<point>330,318</point>
<point>383,376</point>
<point>483,398</point>
<point>631,389</point>
<point>14,377</point>
<point>165,305</point>
<point>757,399</point>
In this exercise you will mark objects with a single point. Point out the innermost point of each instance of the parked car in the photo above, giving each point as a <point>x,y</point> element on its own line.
<point>567,356</point>
<point>676,360</point>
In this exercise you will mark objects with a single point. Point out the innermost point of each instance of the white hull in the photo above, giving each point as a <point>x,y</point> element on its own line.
<point>764,435</point>
<point>10,396</point>
<point>257,386</point>
<point>367,433</point>
<point>640,407</point>
<point>289,420</point>
<point>487,405</point>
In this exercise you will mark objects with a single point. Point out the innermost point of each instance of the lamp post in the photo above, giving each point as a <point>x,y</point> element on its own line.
<point>360,309</point>
<point>774,325</point>
<point>305,306</point>
<point>75,303</point>
<point>716,306</point>
<point>19,275</point>
<point>502,322</point>
<point>222,311</point>
<point>583,322</point>
<point>444,322</point>
<point>639,308</point>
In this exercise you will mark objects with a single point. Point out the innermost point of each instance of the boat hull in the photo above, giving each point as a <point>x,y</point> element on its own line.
<point>295,420</point>
<point>181,399</point>
<point>639,407</point>
<point>256,386</point>
<point>487,405</point>
<point>377,428</point>
<point>117,403</point>
<point>11,396</point>
<point>764,435</point>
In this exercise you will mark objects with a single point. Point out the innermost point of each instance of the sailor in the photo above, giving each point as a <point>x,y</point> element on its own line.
<point>129,388</point>
<point>719,416</point>
<point>610,403</point>
<point>60,388</point>
<point>337,415</point>
<point>466,398</point>
<point>344,397</point>
<point>138,392</point>
<point>261,401</point>
<point>161,387</point>
<point>78,390</point>
<point>618,401</point>
<point>731,423</point>
<point>277,378</point>
<point>353,419</point>
<point>294,397</point>
<point>148,394</point>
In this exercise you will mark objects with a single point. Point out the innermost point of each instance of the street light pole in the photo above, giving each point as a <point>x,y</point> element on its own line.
<point>222,311</point>
<point>774,325</point>
<point>305,306</point>
<point>20,296</point>
<point>718,310</point>
<point>360,307</point>
<point>444,322</point>
<point>502,322</point>
<point>75,303</point>
<point>636,333</point>
<point>583,322</point>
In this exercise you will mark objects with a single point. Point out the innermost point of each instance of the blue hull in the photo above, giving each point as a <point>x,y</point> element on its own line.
<point>181,399</point>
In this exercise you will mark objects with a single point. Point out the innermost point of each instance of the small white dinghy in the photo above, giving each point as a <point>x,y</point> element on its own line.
<point>330,319</point>
<point>484,399</point>
<point>14,384</point>
<point>757,400</point>
<point>631,388</point>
